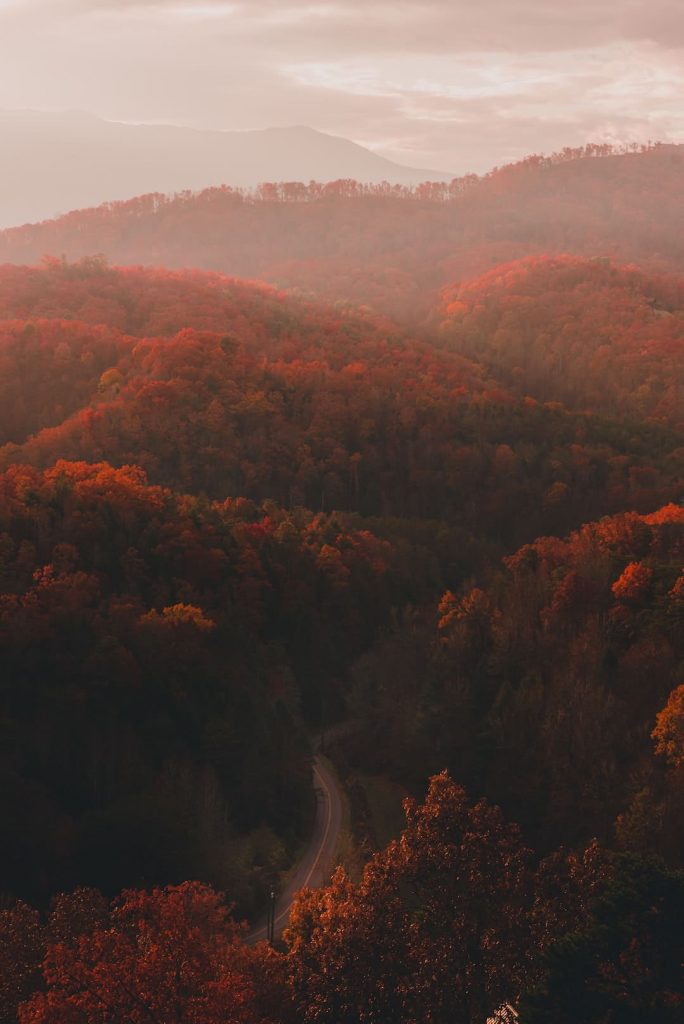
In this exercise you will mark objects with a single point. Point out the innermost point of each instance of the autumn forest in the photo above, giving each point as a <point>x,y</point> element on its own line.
<point>385,479</point>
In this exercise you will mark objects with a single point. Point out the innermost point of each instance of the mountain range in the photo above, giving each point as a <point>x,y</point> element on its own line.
<point>391,248</point>
<point>55,162</point>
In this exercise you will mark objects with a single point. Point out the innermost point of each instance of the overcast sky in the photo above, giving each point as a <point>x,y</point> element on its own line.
<point>456,85</point>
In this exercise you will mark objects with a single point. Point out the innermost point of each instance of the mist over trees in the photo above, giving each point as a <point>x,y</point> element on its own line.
<point>389,246</point>
<point>409,486</point>
<point>92,160</point>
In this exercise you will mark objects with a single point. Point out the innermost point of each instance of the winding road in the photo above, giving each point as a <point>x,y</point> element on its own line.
<point>313,870</point>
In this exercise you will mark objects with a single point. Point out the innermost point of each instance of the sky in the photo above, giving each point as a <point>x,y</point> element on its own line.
<point>454,85</point>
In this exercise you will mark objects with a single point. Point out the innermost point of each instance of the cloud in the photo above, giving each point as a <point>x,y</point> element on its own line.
<point>446,83</point>
<point>429,26</point>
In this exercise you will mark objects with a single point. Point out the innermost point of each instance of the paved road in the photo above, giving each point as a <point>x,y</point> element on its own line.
<point>313,870</point>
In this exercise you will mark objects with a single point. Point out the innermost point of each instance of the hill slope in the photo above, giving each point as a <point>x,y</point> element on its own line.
<point>542,689</point>
<point>155,649</point>
<point>270,397</point>
<point>392,248</point>
<point>583,332</point>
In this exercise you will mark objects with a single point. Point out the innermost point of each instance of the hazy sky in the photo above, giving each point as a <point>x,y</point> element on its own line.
<point>457,85</point>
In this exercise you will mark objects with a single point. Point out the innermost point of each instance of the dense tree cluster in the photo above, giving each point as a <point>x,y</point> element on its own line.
<point>308,408</point>
<point>388,246</point>
<point>582,332</point>
<point>449,924</point>
<point>443,915</point>
<point>49,370</point>
<point>624,960</point>
<point>171,955</point>
<point>145,302</point>
<point>156,653</point>
<point>543,689</point>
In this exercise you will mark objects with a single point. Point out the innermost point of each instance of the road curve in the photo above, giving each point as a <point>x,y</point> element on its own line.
<point>314,868</point>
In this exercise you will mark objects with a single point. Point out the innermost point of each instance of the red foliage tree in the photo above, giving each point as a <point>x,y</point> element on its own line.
<point>437,929</point>
<point>669,729</point>
<point>170,956</point>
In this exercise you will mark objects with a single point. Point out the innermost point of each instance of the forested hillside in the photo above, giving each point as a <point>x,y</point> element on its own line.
<point>305,406</point>
<point>157,650</point>
<point>391,247</point>
<point>587,333</point>
<point>543,688</point>
<point>415,495</point>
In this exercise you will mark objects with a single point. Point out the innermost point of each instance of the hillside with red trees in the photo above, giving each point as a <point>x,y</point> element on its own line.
<point>307,407</point>
<point>391,247</point>
<point>453,921</point>
<point>146,302</point>
<point>543,689</point>
<point>587,333</point>
<point>407,491</point>
<point>157,651</point>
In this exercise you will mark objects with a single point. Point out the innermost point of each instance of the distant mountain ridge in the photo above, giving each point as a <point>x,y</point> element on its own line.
<point>56,162</point>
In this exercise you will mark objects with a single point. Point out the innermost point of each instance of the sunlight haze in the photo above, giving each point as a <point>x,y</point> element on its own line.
<point>454,86</point>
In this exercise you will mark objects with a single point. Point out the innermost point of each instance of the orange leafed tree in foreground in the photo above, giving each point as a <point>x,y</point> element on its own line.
<point>439,923</point>
<point>164,957</point>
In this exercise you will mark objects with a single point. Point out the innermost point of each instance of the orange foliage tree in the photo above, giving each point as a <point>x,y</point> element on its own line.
<point>669,729</point>
<point>436,930</point>
<point>169,956</point>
